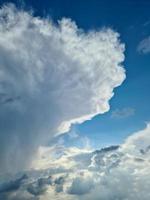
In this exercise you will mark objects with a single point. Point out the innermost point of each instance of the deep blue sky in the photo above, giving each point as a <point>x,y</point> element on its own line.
<point>131,18</point>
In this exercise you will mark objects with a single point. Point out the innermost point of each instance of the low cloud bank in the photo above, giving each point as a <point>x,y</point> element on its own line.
<point>115,172</point>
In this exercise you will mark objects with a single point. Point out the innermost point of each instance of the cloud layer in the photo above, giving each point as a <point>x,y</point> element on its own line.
<point>116,172</point>
<point>51,75</point>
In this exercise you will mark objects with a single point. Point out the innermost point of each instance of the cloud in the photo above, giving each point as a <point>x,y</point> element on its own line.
<point>122,173</point>
<point>61,159</point>
<point>122,113</point>
<point>61,75</point>
<point>144,46</point>
<point>116,172</point>
<point>59,184</point>
<point>80,186</point>
<point>39,186</point>
<point>137,142</point>
<point>4,99</point>
<point>12,185</point>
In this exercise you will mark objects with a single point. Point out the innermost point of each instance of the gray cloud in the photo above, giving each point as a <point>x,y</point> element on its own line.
<point>53,75</point>
<point>4,98</point>
<point>39,186</point>
<point>80,186</point>
<point>12,185</point>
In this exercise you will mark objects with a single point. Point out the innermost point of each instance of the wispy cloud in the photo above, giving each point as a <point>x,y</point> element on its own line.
<point>144,46</point>
<point>122,113</point>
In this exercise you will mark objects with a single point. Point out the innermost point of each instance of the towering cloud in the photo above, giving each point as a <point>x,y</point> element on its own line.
<point>51,75</point>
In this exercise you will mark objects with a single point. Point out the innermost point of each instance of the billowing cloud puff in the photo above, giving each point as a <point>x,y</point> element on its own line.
<point>51,75</point>
<point>122,172</point>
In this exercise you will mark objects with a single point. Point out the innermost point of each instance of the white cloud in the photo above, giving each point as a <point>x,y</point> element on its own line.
<point>144,46</point>
<point>56,75</point>
<point>137,142</point>
<point>114,173</point>
<point>108,174</point>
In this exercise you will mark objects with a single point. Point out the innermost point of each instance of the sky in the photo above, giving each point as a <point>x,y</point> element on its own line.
<point>74,99</point>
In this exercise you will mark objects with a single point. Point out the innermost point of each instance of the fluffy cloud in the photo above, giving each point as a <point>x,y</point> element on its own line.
<point>51,75</point>
<point>122,173</point>
<point>116,172</point>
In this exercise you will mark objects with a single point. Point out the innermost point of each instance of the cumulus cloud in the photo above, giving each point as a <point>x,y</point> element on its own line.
<point>51,75</point>
<point>81,186</point>
<point>124,171</point>
<point>39,186</point>
<point>144,46</point>
<point>122,113</point>
<point>116,172</point>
